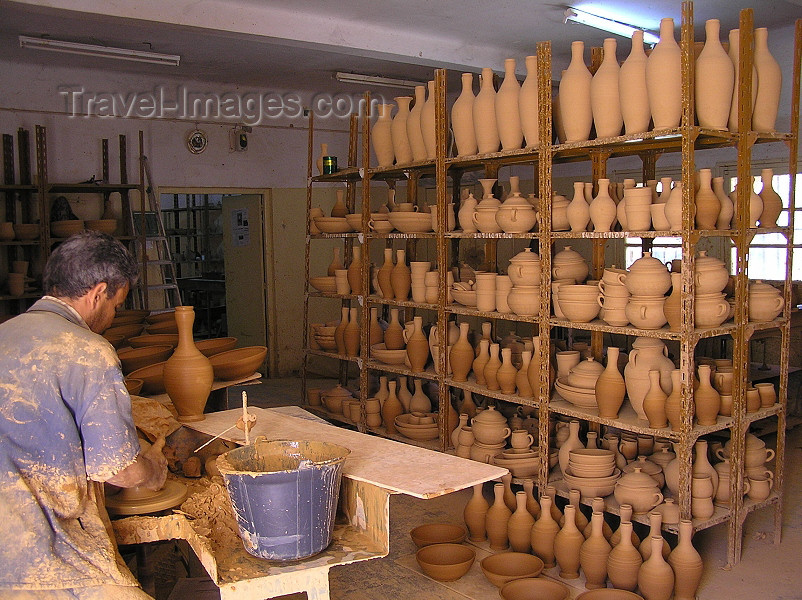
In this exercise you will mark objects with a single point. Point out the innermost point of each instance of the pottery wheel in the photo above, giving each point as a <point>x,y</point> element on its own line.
<point>172,494</point>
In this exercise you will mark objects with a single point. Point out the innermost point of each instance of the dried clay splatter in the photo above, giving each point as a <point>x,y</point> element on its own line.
<point>212,517</point>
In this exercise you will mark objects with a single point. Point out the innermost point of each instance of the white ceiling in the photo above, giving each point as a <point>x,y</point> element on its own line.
<point>299,44</point>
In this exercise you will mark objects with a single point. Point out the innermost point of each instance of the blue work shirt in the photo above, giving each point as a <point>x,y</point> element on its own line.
<point>65,425</point>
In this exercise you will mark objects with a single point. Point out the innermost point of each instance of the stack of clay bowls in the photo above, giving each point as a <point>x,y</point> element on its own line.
<point>638,206</point>
<point>380,223</point>
<point>765,301</point>
<point>592,471</point>
<point>486,291</point>
<point>524,273</point>
<point>711,309</point>
<point>579,303</point>
<point>332,224</point>
<point>418,271</point>
<point>324,337</point>
<point>521,459</point>
<point>614,297</point>
<point>418,426</point>
<point>410,221</point>
<point>647,282</point>
<point>579,387</point>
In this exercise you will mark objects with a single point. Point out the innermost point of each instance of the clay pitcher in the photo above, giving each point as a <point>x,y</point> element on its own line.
<point>188,374</point>
<point>543,533</point>
<point>715,78</point>
<point>383,276</point>
<point>593,554</point>
<point>610,387</point>
<point>461,355</point>
<point>708,206</point>
<point>769,84</point>
<point>528,103</point>
<point>654,403</point>
<point>398,131</point>
<point>604,93</point>
<point>519,527</point>
<point>498,516</point>
<point>508,116</point>
<point>685,560</point>
<point>567,543</point>
<point>706,399</point>
<point>484,114</point>
<point>462,118</point>
<point>624,560</point>
<point>574,98</point>
<point>632,88</point>
<point>655,576</point>
<point>417,347</point>
<point>475,513</point>
<point>414,132</point>
<point>664,78</point>
<point>506,374</point>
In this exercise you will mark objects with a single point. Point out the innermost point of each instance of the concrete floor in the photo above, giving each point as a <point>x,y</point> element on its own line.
<point>766,571</point>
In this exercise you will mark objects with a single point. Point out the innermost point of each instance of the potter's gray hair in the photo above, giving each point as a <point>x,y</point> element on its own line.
<point>86,259</point>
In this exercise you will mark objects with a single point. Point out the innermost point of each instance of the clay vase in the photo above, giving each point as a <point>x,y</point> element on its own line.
<point>715,78</point>
<point>461,355</point>
<point>355,271</point>
<point>463,422</point>
<point>706,400</point>
<point>506,374</point>
<point>480,361</point>
<point>528,104</point>
<point>574,98</point>
<point>519,527</point>
<point>420,402</point>
<point>625,514</point>
<point>735,43</point>
<point>391,408</point>
<point>417,347</point>
<point>543,533</point>
<point>578,210</point>
<point>376,333</point>
<point>769,84</point>
<point>603,208</point>
<point>672,308</point>
<point>462,118</point>
<point>582,522</point>
<point>708,206</point>
<point>701,464</point>
<point>414,132</point>
<point>655,577</point>
<point>727,210</point>
<point>394,334</point>
<point>673,208</point>
<point>593,554</point>
<point>687,564</point>
<point>654,403</point>
<point>484,114</point>
<point>381,138</point>
<point>339,331</point>
<point>664,79</point>
<point>647,354</point>
<point>383,275</point>
<point>401,277</point>
<point>427,124</point>
<point>403,393</point>
<point>567,543</point>
<point>533,371</point>
<point>673,404</point>
<point>491,368</point>
<point>324,151</point>
<point>632,88</point>
<point>531,502</point>
<point>624,560</point>
<point>335,264</point>
<point>401,146</point>
<point>498,516</point>
<point>772,203</point>
<point>572,443</point>
<point>605,94</point>
<point>188,374</point>
<point>351,334</point>
<point>475,514</point>
<point>610,387</point>
<point>522,378</point>
<point>339,209</point>
<point>465,214</point>
<point>508,115</point>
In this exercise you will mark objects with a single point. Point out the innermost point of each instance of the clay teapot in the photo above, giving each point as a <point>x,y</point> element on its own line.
<point>569,264</point>
<point>647,277</point>
<point>490,427</point>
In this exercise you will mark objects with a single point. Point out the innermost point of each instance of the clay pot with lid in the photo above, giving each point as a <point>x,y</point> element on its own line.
<point>765,301</point>
<point>639,490</point>
<point>524,268</point>
<point>710,274</point>
<point>652,469</point>
<point>569,264</point>
<point>710,310</point>
<point>585,374</point>
<point>648,277</point>
<point>646,312</point>
<point>559,213</point>
<point>490,426</point>
<point>516,215</point>
<point>333,398</point>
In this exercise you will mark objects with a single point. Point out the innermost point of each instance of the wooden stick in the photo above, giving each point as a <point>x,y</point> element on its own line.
<point>214,438</point>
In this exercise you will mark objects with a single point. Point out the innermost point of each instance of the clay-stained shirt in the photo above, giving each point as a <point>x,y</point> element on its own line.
<point>65,424</point>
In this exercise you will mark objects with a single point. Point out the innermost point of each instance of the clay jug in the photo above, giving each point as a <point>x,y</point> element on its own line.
<point>519,527</point>
<point>772,203</point>
<point>531,502</point>
<point>376,334</point>
<point>498,516</point>
<point>664,79</point>
<point>632,88</point>
<point>578,210</point>
<point>567,543</point>
<point>417,347</point>
<point>528,103</point>
<point>582,522</point>
<point>522,378</point>
<point>655,577</point>
<point>462,118</point>
<point>655,524</point>
<point>624,560</point>
<point>394,334</point>
<point>625,514</point>
<point>715,78</point>
<point>572,443</point>
<point>506,374</point>
<point>605,94</point>
<point>481,360</point>
<point>401,277</point>
<point>603,209</point>
<point>355,271</point>
<point>188,374</point>
<point>672,308</point>
<point>574,99</point>
<point>687,564</point>
<point>339,331</point>
<point>351,334</point>
<point>673,404</point>
<point>381,138</point>
<point>463,422</point>
<point>491,368</point>
<point>324,151</point>
<point>735,43</point>
<point>654,403</point>
<point>420,402</point>
<point>461,355</point>
<point>475,514</point>
<point>706,400</point>
<point>593,554</point>
<point>427,123</point>
<point>701,464</point>
<point>769,84</point>
<point>484,114</point>
<point>708,206</point>
<point>336,264</point>
<point>543,533</point>
<point>401,146</point>
<point>465,214</point>
<point>414,132</point>
<point>383,276</point>
<point>610,387</point>
<point>647,354</point>
<point>508,115</point>
<point>391,408</point>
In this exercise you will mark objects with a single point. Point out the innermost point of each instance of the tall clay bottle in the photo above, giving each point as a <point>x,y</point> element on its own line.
<point>770,78</point>
<point>485,125</point>
<point>417,347</point>
<point>567,543</point>
<point>394,334</point>
<point>543,533</point>
<point>398,131</point>
<point>414,132</point>
<point>654,403</point>
<point>772,203</point>
<point>533,372</point>
<point>610,387</point>
<point>351,334</point>
<point>664,78</point>
<point>574,99</point>
<point>572,443</point>
<point>522,378</point>
<point>376,335</point>
<point>403,393</point>
<point>632,88</point>
<point>188,374</point>
<point>339,331</point>
<point>708,206</point>
<point>598,505</point>
<point>491,368</point>
<point>468,406</point>
<point>528,103</point>
<point>335,264</point>
<point>578,210</point>
<point>383,276</point>
<point>604,93</point>
<point>531,502</point>
<point>427,123</point>
<point>339,209</point>
<point>624,560</point>
<point>462,118</point>
<point>715,78</point>
<point>519,527</point>
<point>686,563</point>
<point>475,514</point>
<point>506,374</point>
<point>625,514</point>
<point>391,408</point>
<point>646,546</point>
<point>674,207</point>
<point>674,401</point>
<point>655,577</point>
<point>603,208</point>
<point>355,271</point>
<point>480,361</point>
<point>381,137</point>
<point>734,54</point>
<point>706,400</point>
<point>582,522</point>
<point>401,277</point>
<point>508,116</point>
<point>461,354</point>
<point>556,513</point>
<point>593,554</point>
<point>498,516</point>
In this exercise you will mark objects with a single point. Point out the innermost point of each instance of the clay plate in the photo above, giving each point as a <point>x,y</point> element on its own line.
<point>239,363</point>
<point>534,588</point>
<point>445,562</point>
<point>158,317</point>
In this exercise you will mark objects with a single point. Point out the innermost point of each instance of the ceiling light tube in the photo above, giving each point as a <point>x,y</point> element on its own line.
<point>605,24</point>
<point>99,51</point>
<point>375,80</point>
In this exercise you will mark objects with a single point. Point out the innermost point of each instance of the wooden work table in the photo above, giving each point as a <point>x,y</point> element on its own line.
<point>376,468</point>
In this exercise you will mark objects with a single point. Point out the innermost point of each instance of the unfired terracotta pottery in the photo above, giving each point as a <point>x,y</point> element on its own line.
<point>188,374</point>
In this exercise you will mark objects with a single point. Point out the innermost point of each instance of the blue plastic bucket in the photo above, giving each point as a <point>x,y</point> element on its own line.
<point>284,494</point>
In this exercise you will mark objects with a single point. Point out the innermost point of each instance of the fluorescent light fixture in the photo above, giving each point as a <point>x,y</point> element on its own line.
<point>375,80</point>
<point>99,51</point>
<point>605,24</point>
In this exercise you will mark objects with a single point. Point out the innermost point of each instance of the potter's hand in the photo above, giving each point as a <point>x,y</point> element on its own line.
<point>156,465</point>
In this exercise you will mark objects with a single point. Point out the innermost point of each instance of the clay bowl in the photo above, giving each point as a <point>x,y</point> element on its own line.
<point>165,326</point>
<point>534,588</point>
<point>437,533</point>
<point>445,562</point>
<point>152,378</point>
<point>324,284</point>
<point>126,320</point>
<point>381,226</point>
<point>464,297</point>
<point>326,343</point>
<point>116,340</point>
<point>214,346</point>
<point>332,224</point>
<point>591,470</point>
<point>108,226</point>
<point>26,231</point>
<point>506,566</point>
<point>134,386</point>
<point>137,358</point>
<point>592,487</point>
<point>592,456</point>
<point>325,330</point>
<point>129,312</point>
<point>609,594</point>
<point>421,434</point>
<point>578,311</point>
<point>411,222</point>
<point>354,221</point>
<point>525,467</point>
<point>161,339</point>
<point>64,229</point>
<point>158,317</point>
<point>239,363</point>
<point>127,331</point>
<point>388,357</point>
<point>584,398</point>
